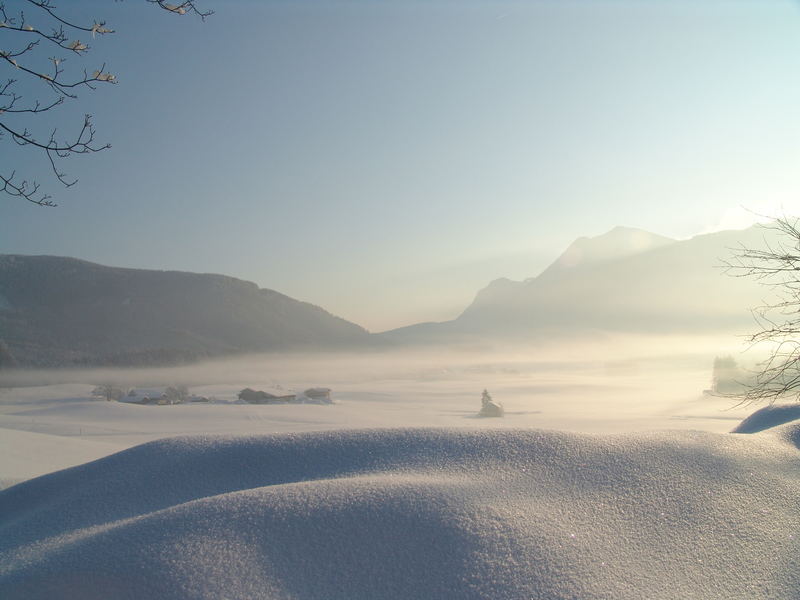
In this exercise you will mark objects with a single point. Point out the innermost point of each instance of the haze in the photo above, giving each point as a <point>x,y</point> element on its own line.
<point>386,160</point>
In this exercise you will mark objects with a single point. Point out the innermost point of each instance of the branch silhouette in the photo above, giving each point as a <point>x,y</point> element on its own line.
<point>23,39</point>
<point>777,266</point>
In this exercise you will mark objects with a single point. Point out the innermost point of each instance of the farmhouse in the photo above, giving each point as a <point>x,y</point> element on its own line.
<point>145,396</point>
<point>252,396</point>
<point>318,395</point>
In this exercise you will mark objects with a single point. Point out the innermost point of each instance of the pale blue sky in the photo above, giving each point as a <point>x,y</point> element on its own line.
<point>385,160</point>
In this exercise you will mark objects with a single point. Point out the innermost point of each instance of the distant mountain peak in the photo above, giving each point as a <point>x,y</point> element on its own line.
<point>617,243</point>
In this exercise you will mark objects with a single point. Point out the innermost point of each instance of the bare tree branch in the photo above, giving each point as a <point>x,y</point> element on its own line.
<point>183,8</point>
<point>47,25</point>
<point>777,266</point>
<point>25,191</point>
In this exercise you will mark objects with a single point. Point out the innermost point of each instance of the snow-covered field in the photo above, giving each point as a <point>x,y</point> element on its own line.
<point>609,477</point>
<point>60,424</point>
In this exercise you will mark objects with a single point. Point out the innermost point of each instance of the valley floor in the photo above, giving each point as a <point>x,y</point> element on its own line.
<point>607,478</point>
<point>48,427</point>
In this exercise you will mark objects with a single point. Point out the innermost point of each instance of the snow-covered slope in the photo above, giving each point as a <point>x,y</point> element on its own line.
<point>414,513</point>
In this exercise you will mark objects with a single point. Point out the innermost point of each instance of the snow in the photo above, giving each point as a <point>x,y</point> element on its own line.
<point>413,513</point>
<point>78,428</point>
<point>769,416</point>
<point>608,478</point>
<point>632,388</point>
<point>27,454</point>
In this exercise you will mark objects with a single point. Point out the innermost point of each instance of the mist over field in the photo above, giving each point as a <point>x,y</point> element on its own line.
<point>609,383</point>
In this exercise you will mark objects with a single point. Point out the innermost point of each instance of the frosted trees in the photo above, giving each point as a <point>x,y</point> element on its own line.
<point>490,408</point>
<point>39,45</point>
<point>777,266</point>
<point>108,391</point>
<point>176,394</point>
<point>727,378</point>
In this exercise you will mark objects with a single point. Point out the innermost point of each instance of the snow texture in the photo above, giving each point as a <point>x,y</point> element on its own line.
<point>414,513</point>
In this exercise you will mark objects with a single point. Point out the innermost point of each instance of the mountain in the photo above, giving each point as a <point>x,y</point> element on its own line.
<point>626,280</point>
<point>61,311</point>
<point>618,243</point>
<point>57,311</point>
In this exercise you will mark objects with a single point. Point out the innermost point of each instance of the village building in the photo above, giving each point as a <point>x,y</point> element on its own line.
<point>252,396</point>
<point>318,395</point>
<point>144,396</point>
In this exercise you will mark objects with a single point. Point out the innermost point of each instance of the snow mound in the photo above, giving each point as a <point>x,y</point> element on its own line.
<point>413,513</point>
<point>768,417</point>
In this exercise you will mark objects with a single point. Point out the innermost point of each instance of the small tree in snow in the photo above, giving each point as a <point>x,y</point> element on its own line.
<point>727,378</point>
<point>108,391</point>
<point>176,394</point>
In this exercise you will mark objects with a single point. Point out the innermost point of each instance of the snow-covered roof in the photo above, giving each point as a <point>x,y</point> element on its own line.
<point>317,391</point>
<point>139,394</point>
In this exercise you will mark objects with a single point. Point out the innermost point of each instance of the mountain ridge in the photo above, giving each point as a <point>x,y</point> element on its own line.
<point>58,311</point>
<point>667,285</point>
<point>618,242</point>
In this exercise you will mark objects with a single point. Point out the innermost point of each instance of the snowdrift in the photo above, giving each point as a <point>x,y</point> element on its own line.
<point>414,513</point>
<point>768,417</point>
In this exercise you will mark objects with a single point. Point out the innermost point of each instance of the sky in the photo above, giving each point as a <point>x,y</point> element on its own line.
<point>386,160</point>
